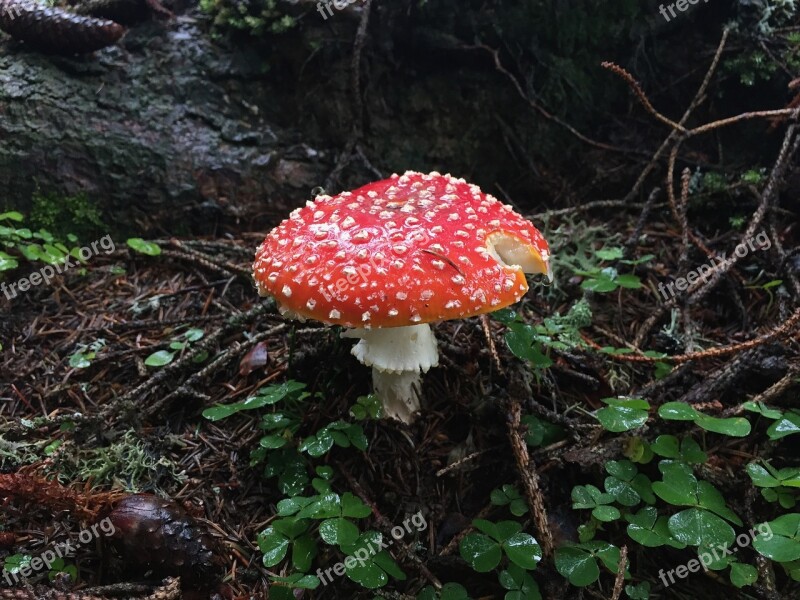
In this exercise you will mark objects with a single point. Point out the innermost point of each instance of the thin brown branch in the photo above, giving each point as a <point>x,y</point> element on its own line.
<point>682,210</point>
<point>530,480</point>
<point>759,114</point>
<point>701,288</point>
<point>620,579</point>
<point>779,332</point>
<point>772,393</point>
<point>640,95</point>
<point>540,109</point>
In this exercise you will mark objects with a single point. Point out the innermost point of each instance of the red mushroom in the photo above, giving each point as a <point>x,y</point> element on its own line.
<point>390,257</point>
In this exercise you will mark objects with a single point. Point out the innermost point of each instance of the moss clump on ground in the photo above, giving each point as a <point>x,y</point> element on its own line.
<point>128,462</point>
<point>255,17</point>
<point>64,215</point>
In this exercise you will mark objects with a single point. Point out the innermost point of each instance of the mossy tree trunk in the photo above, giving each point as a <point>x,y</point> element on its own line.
<point>163,130</point>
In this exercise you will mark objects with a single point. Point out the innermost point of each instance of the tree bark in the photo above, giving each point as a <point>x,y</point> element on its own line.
<point>158,130</point>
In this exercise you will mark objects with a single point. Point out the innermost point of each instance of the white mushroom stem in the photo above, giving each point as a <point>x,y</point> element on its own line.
<point>397,356</point>
<point>399,393</point>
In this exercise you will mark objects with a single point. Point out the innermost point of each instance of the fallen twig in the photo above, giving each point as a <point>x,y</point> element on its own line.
<point>530,480</point>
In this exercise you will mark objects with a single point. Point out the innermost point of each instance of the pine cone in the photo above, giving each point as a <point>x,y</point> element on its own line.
<point>158,535</point>
<point>56,30</point>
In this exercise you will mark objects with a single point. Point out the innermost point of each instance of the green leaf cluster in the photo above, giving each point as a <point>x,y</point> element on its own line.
<point>779,540</point>
<point>35,246</point>
<point>680,411</point>
<point>367,407</point>
<point>541,432</point>
<point>608,279</point>
<point>580,563</point>
<point>519,583</point>
<point>508,495</point>
<point>678,511</point>
<point>257,18</point>
<point>779,485</point>
<point>58,566</point>
<point>624,485</point>
<point>82,357</point>
<point>162,358</point>
<point>305,521</point>
<point>530,342</point>
<point>339,433</point>
<point>707,521</point>
<point>623,414</point>
<point>483,551</point>
<point>63,215</point>
<point>329,517</point>
<point>785,423</point>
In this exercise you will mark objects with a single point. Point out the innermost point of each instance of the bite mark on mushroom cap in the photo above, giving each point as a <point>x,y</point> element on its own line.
<point>411,249</point>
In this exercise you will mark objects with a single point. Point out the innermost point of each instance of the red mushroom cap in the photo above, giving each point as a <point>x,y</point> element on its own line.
<point>406,250</point>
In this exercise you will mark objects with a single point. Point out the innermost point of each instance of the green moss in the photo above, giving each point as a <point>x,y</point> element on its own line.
<point>15,454</point>
<point>62,215</point>
<point>129,462</point>
<point>764,22</point>
<point>714,182</point>
<point>255,17</point>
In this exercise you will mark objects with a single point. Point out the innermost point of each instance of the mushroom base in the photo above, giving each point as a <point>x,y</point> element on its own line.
<point>399,393</point>
<point>397,355</point>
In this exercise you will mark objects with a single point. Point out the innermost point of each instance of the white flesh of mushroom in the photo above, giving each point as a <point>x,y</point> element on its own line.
<point>510,251</point>
<point>397,355</point>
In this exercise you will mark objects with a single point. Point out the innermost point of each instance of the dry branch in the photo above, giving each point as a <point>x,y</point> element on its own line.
<point>530,480</point>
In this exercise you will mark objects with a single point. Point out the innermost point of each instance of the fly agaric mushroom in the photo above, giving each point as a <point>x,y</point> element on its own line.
<point>388,258</point>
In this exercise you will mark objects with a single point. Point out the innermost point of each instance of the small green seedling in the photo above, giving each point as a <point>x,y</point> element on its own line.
<point>579,562</point>
<point>82,358</point>
<point>623,414</point>
<point>58,566</point>
<point>162,358</point>
<point>508,495</point>
<point>483,551</point>
<point>680,411</point>
<point>608,279</point>
<point>143,247</point>
<point>779,485</point>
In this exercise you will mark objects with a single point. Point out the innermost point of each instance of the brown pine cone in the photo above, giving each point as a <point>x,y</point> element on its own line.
<point>158,535</point>
<point>56,30</point>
